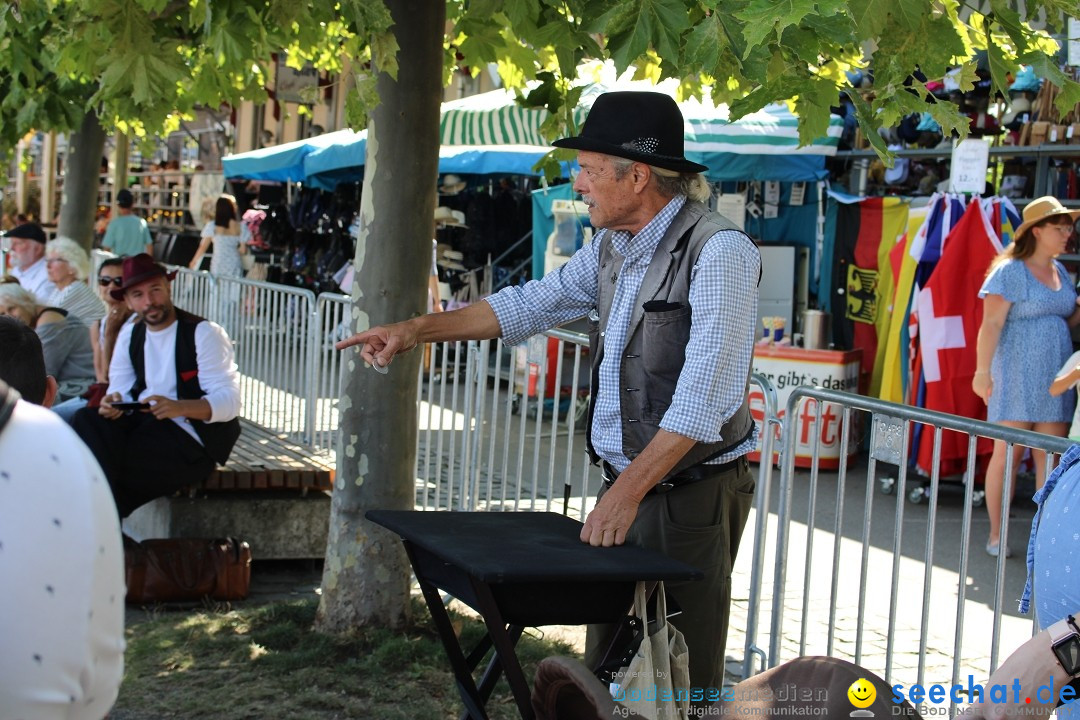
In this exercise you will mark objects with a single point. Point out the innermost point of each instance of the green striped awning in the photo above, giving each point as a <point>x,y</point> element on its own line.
<point>493,118</point>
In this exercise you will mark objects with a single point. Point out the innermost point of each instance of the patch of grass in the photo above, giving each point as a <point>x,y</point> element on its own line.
<point>266,662</point>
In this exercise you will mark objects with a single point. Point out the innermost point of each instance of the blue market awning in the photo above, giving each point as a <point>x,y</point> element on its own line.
<point>341,162</point>
<point>283,163</point>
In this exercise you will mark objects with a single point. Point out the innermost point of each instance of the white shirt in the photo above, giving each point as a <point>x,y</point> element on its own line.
<point>62,574</point>
<point>35,279</point>
<point>218,375</point>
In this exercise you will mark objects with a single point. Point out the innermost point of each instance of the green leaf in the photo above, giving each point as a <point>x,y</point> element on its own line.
<point>27,115</point>
<point>813,107</point>
<point>1005,16</point>
<point>520,12</point>
<point>764,17</point>
<point>1053,10</point>
<point>1000,68</point>
<point>865,117</point>
<point>967,77</point>
<point>950,119</point>
<point>705,43</point>
<point>384,52</point>
<point>870,16</point>
<point>658,24</point>
<point>1069,93</point>
<point>909,13</point>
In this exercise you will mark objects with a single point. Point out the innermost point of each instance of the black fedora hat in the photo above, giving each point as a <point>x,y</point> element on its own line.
<point>138,269</point>
<point>640,126</point>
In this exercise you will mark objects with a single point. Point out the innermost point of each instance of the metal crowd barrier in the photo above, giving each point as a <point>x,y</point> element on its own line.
<point>873,604</point>
<point>492,435</point>
<point>273,332</point>
<point>770,427</point>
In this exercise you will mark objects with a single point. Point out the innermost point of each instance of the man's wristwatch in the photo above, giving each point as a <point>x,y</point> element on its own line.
<point>1065,642</point>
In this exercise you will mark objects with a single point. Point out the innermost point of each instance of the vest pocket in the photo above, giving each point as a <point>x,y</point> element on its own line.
<point>665,333</point>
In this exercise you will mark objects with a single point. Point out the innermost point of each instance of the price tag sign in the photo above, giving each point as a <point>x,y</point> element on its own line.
<point>798,192</point>
<point>733,207</point>
<point>969,162</point>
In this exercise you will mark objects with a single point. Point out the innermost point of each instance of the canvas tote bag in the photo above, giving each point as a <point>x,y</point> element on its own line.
<point>656,682</point>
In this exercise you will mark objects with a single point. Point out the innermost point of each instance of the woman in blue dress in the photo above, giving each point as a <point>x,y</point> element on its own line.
<point>1029,305</point>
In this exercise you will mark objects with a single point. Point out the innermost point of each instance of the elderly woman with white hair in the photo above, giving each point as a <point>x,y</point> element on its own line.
<point>64,339</point>
<point>68,265</point>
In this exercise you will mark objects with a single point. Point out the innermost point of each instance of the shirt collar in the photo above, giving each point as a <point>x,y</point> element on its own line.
<point>644,243</point>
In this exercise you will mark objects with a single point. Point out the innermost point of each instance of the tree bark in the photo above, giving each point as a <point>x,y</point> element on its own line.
<point>366,574</point>
<point>78,201</point>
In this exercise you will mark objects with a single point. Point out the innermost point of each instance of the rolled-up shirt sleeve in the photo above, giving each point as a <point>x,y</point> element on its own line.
<point>218,375</point>
<point>724,298</point>
<point>562,295</point>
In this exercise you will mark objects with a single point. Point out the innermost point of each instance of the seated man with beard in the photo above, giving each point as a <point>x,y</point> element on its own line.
<point>180,368</point>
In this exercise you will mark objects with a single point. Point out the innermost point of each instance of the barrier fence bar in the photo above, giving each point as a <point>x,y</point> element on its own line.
<point>193,290</point>
<point>489,435</point>
<point>331,325</point>
<point>770,428</point>
<point>872,628</point>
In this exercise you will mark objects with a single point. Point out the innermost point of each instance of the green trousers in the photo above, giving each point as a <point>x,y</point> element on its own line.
<point>699,524</point>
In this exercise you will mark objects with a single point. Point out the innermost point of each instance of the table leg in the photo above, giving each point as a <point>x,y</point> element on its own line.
<point>470,696</point>
<point>504,647</point>
<point>494,668</point>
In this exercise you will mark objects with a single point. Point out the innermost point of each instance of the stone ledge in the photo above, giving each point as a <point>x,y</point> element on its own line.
<point>277,525</point>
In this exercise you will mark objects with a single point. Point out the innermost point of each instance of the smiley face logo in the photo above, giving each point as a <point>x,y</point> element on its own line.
<point>862,693</point>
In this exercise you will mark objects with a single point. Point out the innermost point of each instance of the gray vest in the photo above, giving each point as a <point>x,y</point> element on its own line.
<point>657,336</point>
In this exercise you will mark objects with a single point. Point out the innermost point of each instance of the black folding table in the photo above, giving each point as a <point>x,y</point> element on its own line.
<point>517,570</point>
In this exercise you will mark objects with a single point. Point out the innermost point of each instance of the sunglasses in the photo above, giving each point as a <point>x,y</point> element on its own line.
<point>106,281</point>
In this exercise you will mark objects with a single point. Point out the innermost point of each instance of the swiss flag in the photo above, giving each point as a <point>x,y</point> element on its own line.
<point>949,315</point>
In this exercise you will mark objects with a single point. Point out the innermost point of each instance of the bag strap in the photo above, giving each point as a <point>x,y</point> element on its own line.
<point>8,397</point>
<point>641,604</point>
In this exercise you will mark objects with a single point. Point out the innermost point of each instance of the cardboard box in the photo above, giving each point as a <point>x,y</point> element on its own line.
<point>1040,133</point>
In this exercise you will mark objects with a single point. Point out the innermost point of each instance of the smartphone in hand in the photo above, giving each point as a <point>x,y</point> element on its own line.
<point>129,407</point>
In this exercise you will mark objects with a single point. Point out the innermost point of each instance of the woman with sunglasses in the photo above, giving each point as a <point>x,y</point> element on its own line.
<point>102,337</point>
<point>1029,306</point>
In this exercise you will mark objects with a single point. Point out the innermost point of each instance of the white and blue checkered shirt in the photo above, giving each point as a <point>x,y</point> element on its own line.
<point>723,299</point>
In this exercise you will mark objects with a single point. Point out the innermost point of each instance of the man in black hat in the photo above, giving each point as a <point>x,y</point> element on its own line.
<point>671,290</point>
<point>169,416</point>
<point>27,243</point>
<point>127,233</point>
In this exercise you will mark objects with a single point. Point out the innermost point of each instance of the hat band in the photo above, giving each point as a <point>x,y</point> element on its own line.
<point>633,147</point>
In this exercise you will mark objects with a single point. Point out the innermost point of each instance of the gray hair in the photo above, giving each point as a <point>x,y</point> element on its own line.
<point>20,297</point>
<point>669,182</point>
<point>71,252</point>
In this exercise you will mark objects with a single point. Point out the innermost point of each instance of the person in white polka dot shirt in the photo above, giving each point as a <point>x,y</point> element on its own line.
<point>61,555</point>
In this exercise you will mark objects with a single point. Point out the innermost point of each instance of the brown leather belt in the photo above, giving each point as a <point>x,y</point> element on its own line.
<point>694,474</point>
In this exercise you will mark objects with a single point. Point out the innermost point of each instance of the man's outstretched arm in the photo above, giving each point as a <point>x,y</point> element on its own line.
<point>382,342</point>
